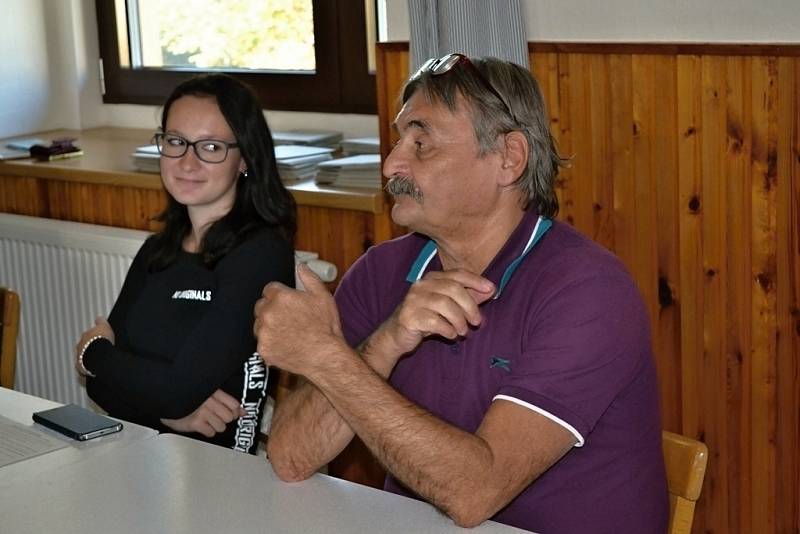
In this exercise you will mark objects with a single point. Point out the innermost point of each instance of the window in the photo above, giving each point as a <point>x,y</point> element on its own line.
<point>309,55</point>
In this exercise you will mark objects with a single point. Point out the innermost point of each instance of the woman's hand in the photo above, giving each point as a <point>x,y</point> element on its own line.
<point>211,417</point>
<point>101,328</point>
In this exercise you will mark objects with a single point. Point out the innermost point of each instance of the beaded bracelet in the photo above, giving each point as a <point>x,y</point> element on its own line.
<point>82,368</point>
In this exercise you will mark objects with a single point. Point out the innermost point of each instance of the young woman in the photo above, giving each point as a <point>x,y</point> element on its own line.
<point>177,351</point>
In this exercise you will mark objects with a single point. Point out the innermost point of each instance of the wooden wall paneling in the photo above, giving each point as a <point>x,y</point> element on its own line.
<point>764,326</point>
<point>382,228</point>
<point>22,195</point>
<point>89,202</point>
<point>545,68</point>
<point>75,207</point>
<point>103,206</point>
<point>580,185</point>
<point>137,211</point>
<point>645,214</point>
<point>58,199</point>
<point>690,294</point>
<point>564,183</point>
<point>600,206</point>
<point>623,178</point>
<point>664,167</point>
<point>788,301</point>
<point>124,207</point>
<point>713,273</point>
<point>391,72</point>
<point>339,236</point>
<point>315,231</point>
<point>737,287</point>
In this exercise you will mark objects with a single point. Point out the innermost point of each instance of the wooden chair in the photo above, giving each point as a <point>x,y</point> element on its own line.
<point>685,460</point>
<point>9,327</point>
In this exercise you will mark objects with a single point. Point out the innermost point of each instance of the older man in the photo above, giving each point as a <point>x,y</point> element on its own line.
<point>495,361</point>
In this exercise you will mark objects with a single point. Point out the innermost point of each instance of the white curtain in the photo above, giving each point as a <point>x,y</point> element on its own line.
<point>473,27</point>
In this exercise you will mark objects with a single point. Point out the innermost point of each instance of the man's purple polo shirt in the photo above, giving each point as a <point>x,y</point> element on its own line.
<point>568,337</point>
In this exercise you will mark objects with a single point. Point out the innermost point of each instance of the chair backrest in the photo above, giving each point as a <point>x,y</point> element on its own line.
<point>685,460</point>
<point>9,327</point>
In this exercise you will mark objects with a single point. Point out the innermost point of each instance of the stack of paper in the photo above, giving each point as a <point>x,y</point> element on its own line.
<point>20,148</point>
<point>26,143</point>
<point>361,145</point>
<point>13,153</point>
<point>326,138</point>
<point>300,162</point>
<point>146,158</point>
<point>353,171</point>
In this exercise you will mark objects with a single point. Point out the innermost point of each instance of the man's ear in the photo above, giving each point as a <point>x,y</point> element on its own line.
<point>515,157</point>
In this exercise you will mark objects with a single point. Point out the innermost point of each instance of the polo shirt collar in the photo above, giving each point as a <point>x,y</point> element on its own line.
<point>500,270</point>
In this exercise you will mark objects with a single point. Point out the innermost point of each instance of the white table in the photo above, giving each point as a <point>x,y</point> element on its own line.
<point>175,484</point>
<point>19,407</point>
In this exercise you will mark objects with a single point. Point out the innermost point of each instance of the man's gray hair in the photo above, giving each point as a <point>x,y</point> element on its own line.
<point>490,118</point>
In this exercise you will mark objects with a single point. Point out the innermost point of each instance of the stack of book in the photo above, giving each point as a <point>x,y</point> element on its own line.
<point>363,170</point>
<point>297,162</point>
<point>361,145</point>
<point>146,158</point>
<point>326,138</point>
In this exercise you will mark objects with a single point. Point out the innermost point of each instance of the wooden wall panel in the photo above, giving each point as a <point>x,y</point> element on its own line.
<point>339,236</point>
<point>22,195</point>
<point>788,297</point>
<point>686,163</point>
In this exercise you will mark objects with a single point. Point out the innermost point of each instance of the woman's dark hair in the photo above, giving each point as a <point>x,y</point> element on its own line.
<point>261,199</point>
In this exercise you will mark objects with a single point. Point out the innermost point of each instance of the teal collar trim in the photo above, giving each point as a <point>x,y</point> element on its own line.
<point>429,251</point>
<point>541,228</point>
<point>421,263</point>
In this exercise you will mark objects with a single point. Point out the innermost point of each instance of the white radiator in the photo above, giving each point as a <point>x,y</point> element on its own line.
<point>67,274</point>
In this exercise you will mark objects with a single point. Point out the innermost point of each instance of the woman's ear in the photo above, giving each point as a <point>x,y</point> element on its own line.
<point>515,157</point>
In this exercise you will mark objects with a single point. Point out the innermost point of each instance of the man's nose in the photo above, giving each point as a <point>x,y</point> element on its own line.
<point>396,162</point>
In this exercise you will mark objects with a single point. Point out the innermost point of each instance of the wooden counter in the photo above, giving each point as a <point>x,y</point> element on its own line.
<point>104,187</point>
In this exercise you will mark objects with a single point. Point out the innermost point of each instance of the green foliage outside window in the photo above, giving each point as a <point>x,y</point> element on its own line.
<point>238,34</point>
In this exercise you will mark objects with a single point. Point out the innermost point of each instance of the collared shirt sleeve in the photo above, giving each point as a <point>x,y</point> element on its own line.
<point>584,343</point>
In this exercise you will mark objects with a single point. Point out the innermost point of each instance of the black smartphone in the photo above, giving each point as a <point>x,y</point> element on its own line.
<point>77,422</point>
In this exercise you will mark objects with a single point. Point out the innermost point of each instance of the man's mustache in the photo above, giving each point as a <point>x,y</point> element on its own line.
<point>403,185</point>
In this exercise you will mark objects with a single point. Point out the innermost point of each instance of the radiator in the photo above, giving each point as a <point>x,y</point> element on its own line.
<point>67,274</point>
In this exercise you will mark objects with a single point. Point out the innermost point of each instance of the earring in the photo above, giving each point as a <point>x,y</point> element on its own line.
<point>244,173</point>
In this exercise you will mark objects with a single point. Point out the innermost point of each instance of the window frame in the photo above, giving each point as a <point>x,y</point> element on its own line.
<point>341,83</point>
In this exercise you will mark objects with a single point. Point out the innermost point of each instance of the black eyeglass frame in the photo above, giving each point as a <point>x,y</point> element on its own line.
<point>446,63</point>
<point>159,137</point>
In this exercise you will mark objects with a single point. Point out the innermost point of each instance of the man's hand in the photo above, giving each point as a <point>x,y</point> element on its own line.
<point>211,417</point>
<point>295,328</point>
<point>443,303</point>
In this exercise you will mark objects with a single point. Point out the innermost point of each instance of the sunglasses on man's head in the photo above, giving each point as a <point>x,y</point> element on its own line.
<point>443,65</point>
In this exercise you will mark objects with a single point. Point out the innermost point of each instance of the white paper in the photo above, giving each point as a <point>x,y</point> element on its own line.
<point>19,442</point>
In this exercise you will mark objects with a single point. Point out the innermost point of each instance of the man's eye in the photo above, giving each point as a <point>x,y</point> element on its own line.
<point>212,146</point>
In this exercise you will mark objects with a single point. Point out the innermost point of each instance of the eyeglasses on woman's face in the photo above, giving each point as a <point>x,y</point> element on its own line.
<point>208,150</point>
